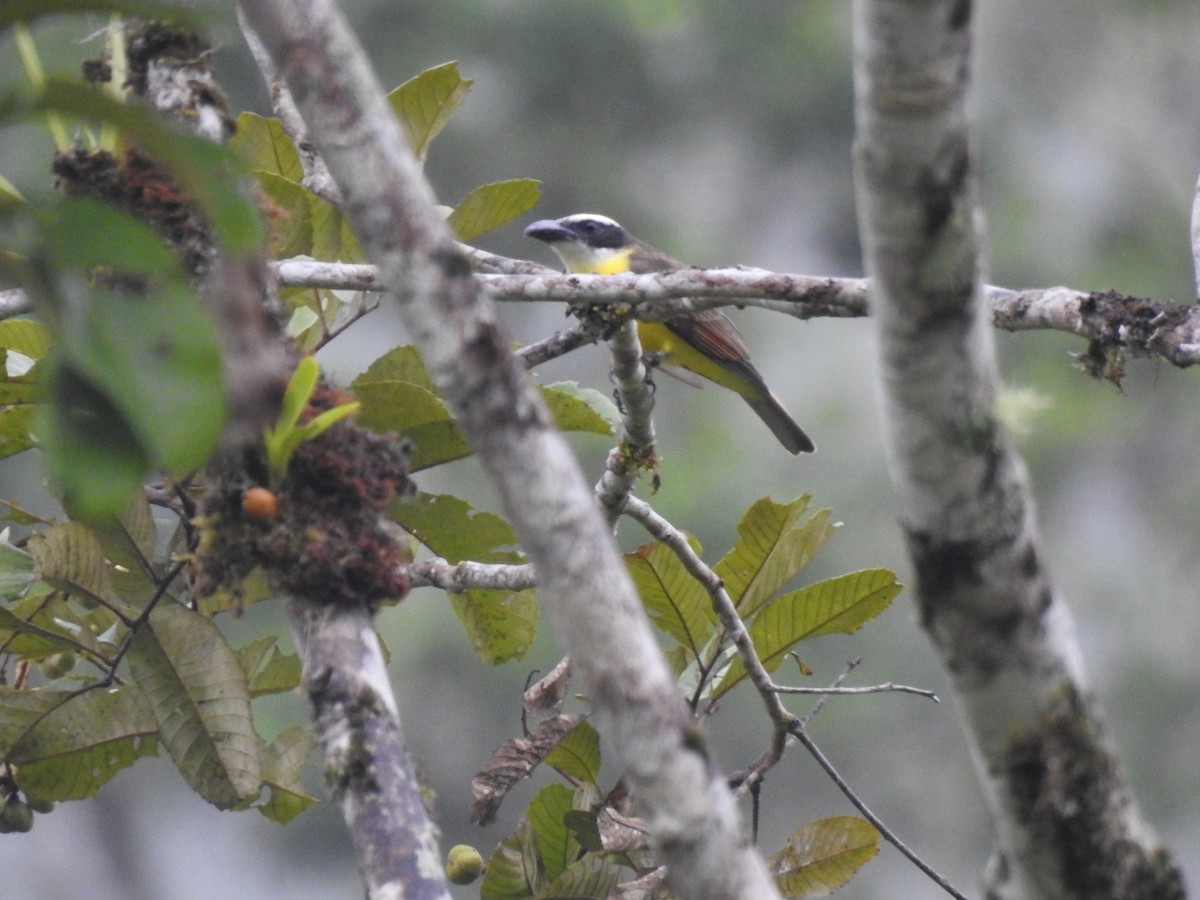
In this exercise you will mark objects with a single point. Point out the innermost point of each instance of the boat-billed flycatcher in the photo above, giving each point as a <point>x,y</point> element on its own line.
<point>706,343</point>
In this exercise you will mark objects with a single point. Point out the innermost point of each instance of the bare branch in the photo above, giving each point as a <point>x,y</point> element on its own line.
<point>886,687</point>
<point>1136,325</point>
<point>890,836</point>
<point>455,578</point>
<point>559,344</point>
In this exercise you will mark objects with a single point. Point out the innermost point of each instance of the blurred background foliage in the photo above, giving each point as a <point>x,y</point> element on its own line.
<point>722,133</point>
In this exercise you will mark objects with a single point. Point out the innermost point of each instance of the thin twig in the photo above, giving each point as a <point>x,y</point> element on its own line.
<point>735,628</point>
<point>890,836</point>
<point>886,687</point>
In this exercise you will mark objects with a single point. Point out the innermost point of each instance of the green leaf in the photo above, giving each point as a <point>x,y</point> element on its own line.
<point>417,414</point>
<point>197,691</point>
<point>584,879</point>
<point>265,147</point>
<point>398,396</point>
<point>280,673</point>
<point>512,870</point>
<point>333,238</point>
<point>837,605</point>
<point>492,205</point>
<point>25,336</point>
<point>17,572</point>
<point>282,761</point>
<point>675,601</point>
<point>93,454</point>
<point>822,856</point>
<point>556,845</point>
<point>16,425</point>
<point>500,624</point>
<point>27,11</point>
<point>291,231</point>
<point>287,434</point>
<point>771,550</point>
<point>124,365</point>
<point>398,364</point>
<point>578,755</point>
<point>251,655</point>
<point>30,640</point>
<point>455,531</point>
<point>423,104</point>
<point>580,409</point>
<point>84,739</point>
<point>70,557</point>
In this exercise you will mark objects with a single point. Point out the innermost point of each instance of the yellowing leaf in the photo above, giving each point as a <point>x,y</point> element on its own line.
<point>578,755</point>
<point>770,550</point>
<point>291,232</point>
<point>492,205</point>
<point>674,600</point>
<point>837,605</point>
<point>500,624</point>
<point>25,336</point>
<point>823,855</point>
<point>424,103</point>
<point>265,147</point>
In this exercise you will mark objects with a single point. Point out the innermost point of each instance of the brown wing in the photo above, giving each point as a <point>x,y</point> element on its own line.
<point>711,331</point>
<point>713,334</point>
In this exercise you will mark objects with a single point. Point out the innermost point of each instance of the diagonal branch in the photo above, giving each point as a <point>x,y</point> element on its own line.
<point>596,612</point>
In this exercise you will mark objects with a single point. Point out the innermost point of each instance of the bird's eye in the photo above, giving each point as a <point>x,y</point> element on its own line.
<point>589,226</point>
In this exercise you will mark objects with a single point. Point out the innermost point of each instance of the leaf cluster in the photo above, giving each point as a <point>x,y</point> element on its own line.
<point>79,601</point>
<point>304,223</point>
<point>773,546</point>
<point>575,841</point>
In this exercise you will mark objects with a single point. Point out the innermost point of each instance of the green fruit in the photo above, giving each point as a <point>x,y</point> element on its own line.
<point>58,665</point>
<point>463,864</point>
<point>15,816</point>
<point>38,805</point>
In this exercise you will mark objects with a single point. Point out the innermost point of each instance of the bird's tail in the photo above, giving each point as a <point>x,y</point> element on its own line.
<point>768,408</point>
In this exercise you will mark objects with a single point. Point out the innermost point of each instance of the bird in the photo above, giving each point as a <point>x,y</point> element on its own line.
<point>706,342</point>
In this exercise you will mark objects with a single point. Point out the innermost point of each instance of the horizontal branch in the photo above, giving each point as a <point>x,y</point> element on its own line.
<point>455,578</point>
<point>1121,322</point>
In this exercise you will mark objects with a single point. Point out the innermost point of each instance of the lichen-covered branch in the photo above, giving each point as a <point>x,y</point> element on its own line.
<point>581,579</point>
<point>1111,321</point>
<point>356,722</point>
<point>1067,824</point>
<point>468,575</point>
